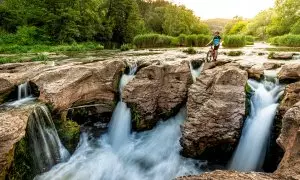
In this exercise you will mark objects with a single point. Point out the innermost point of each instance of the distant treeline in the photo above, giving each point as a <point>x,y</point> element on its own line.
<point>111,22</point>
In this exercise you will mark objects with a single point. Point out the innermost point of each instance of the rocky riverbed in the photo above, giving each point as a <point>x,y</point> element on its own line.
<point>85,90</point>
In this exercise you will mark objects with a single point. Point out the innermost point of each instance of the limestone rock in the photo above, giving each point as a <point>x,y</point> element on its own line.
<point>290,72</point>
<point>232,175</point>
<point>157,92</point>
<point>289,140</point>
<point>291,97</point>
<point>73,85</point>
<point>215,109</point>
<point>272,65</point>
<point>281,55</point>
<point>256,72</point>
<point>13,125</point>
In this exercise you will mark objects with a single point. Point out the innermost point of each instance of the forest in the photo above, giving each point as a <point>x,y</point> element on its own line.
<point>112,23</point>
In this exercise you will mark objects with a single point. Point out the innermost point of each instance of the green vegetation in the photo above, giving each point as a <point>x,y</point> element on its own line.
<point>190,50</point>
<point>286,40</point>
<point>234,41</point>
<point>249,40</point>
<point>234,53</point>
<point>126,47</point>
<point>159,40</point>
<point>22,167</point>
<point>112,23</point>
<point>69,133</point>
<point>282,20</point>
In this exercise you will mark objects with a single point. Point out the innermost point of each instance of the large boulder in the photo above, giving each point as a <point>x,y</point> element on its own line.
<point>256,72</point>
<point>157,91</point>
<point>215,110</point>
<point>290,72</point>
<point>72,85</point>
<point>5,89</point>
<point>13,125</point>
<point>281,55</point>
<point>289,140</point>
<point>291,97</point>
<point>232,175</point>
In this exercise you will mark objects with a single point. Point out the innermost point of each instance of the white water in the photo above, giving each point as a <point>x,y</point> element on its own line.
<point>44,141</point>
<point>122,155</point>
<point>251,150</point>
<point>24,95</point>
<point>196,72</point>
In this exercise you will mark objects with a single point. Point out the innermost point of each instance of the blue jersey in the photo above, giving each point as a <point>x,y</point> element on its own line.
<point>216,40</point>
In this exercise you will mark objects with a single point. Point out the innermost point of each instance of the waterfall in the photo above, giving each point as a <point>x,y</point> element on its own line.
<point>196,71</point>
<point>122,155</point>
<point>120,124</point>
<point>252,147</point>
<point>24,95</point>
<point>46,146</point>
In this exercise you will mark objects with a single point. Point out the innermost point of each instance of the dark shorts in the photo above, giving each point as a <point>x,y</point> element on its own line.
<point>216,47</point>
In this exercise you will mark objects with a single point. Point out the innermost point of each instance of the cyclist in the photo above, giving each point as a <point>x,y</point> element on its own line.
<point>216,41</point>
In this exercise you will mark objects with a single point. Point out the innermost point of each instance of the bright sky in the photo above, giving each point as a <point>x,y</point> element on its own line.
<point>208,9</point>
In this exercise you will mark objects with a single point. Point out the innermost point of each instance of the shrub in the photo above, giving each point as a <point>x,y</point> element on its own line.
<point>234,53</point>
<point>153,40</point>
<point>182,38</point>
<point>234,41</point>
<point>191,40</point>
<point>190,50</point>
<point>203,40</point>
<point>290,40</point>
<point>249,40</point>
<point>126,47</point>
<point>40,57</point>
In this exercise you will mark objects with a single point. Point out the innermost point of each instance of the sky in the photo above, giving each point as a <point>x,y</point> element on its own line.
<point>208,9</point>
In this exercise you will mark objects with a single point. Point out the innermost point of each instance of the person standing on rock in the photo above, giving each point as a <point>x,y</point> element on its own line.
<point>216,41</point>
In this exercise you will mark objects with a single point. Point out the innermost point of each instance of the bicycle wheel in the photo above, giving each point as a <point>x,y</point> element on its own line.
<point>209,56</point>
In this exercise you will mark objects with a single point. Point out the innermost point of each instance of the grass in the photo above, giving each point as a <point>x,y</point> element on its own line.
<point>17,49</point>
<point>126,47</point>
<point>159,40</point>
<point>290,40</point>
<point>234,41</point>
<point>190,50</point>
<point>249,40</point>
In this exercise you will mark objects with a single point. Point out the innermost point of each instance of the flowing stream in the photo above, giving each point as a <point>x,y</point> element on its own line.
<point>123,155</point>
<point>24,95</point>
<point>44,141</point>
<point>252,147</point>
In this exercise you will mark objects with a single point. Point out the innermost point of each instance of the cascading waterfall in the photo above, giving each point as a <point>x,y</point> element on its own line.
<point>252,147</point>
<point>46,146</point>
<point>196,71</point>
<point>121,155</point>
<point>24,95</point>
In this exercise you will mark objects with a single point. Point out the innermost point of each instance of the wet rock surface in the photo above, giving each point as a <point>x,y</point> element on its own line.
<point>215,110</point>
<point>232,175</point>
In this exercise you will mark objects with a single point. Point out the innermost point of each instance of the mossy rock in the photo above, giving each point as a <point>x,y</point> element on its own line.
<point>69,133</point>
<point>22,166</point>
<point>234,53</point>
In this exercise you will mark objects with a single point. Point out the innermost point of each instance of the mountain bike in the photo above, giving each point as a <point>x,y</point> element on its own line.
<point>210,54</point>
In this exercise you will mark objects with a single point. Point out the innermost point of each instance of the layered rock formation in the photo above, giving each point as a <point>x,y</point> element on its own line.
<point>215,109</point>
<point>291,97</point>
<point>289,140</point>
<point>67,86</point>
<point>290,72</point>
<point>157,91</point>
<point>12,129</point>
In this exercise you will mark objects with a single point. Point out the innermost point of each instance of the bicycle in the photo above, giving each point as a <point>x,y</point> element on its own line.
<point>210,54</point>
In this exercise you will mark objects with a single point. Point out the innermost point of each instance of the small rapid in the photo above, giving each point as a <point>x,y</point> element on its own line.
<point>123,155</point>
<point>47,149</point>
<point>252,147</point>
<point>24,95</point>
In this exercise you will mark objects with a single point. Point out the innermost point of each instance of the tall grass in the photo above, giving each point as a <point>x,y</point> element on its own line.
<point>249,40</point>
<point>290,40</point>
<point>234,41</point>
<point>82,47</point>
<point>159,40</point>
